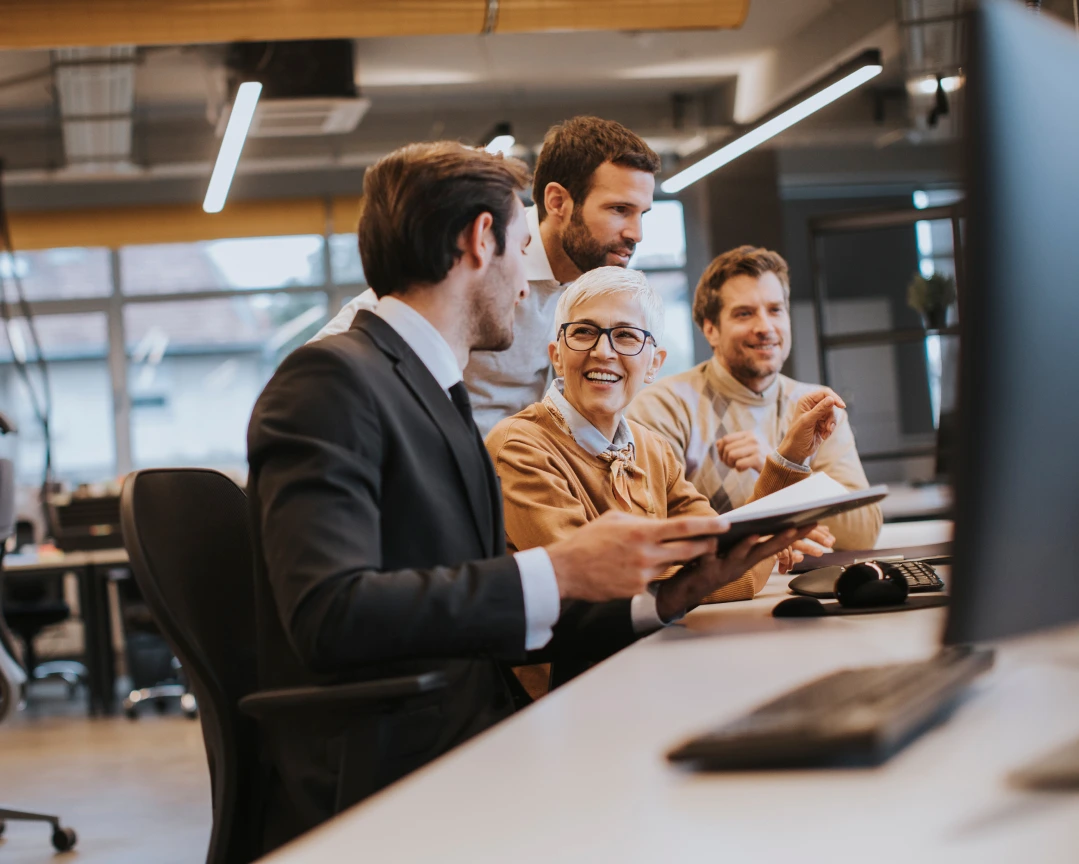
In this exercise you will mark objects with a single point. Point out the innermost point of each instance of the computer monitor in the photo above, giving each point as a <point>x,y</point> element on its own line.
<point>1016,459</point>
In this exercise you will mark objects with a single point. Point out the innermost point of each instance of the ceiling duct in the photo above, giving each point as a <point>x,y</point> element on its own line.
<point>308,88</point>
<point>95,91</point>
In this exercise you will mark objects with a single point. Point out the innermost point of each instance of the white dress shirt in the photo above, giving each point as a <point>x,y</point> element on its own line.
<point>539,587</point>
<point>500,383</point>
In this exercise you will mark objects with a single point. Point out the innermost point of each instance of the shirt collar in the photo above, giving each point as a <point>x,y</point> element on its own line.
<point>587,436</point>
<point>423,338</point>
<point>537,267</point>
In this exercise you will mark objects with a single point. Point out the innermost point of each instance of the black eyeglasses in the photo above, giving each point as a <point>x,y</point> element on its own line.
<point>583,336</point>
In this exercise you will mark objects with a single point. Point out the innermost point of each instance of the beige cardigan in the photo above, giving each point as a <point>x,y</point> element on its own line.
<point>551,486</point>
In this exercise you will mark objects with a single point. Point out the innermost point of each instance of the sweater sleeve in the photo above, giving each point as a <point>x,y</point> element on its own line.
<point>838,458</point>
<point>537,501</point>
<point>683,499</point>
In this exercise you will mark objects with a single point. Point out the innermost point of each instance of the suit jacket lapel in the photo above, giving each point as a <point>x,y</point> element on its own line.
<point>468,451</point>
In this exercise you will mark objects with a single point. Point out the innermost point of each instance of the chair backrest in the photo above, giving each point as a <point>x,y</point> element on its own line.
<point>187,534</point>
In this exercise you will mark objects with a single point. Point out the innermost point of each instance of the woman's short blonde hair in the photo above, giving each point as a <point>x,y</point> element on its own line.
<point>606,281</point>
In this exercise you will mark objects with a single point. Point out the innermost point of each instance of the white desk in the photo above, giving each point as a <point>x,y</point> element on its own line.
<point>581,775</point>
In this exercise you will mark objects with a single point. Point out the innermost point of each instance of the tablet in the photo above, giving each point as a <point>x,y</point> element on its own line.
<point>770,522</point>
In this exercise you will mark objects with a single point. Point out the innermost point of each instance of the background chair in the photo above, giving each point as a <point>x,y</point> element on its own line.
<point>30,604</point>
<point>12,676</point>
<point>187,534</point>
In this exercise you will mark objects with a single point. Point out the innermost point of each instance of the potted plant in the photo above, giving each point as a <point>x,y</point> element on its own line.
<point>931,298</point>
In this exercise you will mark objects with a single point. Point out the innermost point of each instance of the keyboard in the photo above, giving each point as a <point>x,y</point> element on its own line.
<point>820,583</point>
<point>851,717</point>
<point>920,576</point>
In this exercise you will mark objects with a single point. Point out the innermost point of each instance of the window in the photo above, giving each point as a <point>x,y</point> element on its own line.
<point>663,244</point>
<point>216,265</point>
<point>76,346</point>
<point>196,367</point>
<point>345,263</point>
<point>57,274</point>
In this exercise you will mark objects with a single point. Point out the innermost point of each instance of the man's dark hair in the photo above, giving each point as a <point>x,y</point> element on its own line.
<point>416,202</point>
<point>573,150</point>
<point>740,261</point>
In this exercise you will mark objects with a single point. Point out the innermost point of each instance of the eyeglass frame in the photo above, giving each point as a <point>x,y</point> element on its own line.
<point>607,331</point>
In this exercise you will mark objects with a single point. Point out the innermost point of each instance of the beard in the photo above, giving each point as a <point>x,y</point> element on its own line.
<point>492,313</point>
<point>584,250</point>
<point>746,368</point>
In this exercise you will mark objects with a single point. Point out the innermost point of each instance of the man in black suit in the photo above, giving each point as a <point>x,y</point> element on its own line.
<point>377,513</point>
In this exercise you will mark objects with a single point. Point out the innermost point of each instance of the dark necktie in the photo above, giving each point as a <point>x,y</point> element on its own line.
<point>459,395</point>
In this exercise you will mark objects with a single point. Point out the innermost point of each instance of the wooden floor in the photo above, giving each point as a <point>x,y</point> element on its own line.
<point>136,792</point>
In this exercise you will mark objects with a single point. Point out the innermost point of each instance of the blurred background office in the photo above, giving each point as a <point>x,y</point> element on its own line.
<point>148,326</point>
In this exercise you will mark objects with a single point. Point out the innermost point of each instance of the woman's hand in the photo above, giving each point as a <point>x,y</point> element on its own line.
<point>816,542</point>
<point>700,577</point>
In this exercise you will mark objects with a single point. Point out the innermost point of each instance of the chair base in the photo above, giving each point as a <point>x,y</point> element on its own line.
<point>63,839</point>
<point>157,695</point>
<point>71,672</point>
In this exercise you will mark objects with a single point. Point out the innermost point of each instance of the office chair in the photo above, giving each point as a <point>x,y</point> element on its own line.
<point>30,605</point>
<point>187,535</point>
<point>12,676</point>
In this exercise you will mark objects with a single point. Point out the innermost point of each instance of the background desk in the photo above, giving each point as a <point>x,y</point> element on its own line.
<point>581,775</point>
<point>93,570</point>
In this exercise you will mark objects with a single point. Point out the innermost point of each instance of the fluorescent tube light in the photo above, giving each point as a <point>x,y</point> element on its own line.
<point>501,144</point>
<point>243,109</point>
<point>770,128</point>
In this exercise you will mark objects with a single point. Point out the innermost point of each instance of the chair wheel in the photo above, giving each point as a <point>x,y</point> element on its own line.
<point>64,839</point>
<point>131,713</point>
<point>3,825</point>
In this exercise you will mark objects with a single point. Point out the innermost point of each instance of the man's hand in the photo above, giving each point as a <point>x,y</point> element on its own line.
<point>617,555</point>
<point>741,451</point>
<point>814,421</point>
<point>686,588</point>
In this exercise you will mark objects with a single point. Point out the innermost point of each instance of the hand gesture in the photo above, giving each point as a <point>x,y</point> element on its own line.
<point>814,422</point>
<point>741,451</point>
<point>617,555</point>
<point>686,588</point>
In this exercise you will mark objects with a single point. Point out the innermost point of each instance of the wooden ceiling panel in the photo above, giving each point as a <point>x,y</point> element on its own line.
<point>59,23</point>
<point>527,16</point>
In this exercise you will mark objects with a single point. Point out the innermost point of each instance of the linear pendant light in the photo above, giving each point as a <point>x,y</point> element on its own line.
<point>847,77</point>
<point>243,110</point>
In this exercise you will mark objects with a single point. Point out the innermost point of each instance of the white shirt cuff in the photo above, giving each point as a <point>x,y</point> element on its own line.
<point>783,462</point>
<point>642,611</point>
<point>540,590</point>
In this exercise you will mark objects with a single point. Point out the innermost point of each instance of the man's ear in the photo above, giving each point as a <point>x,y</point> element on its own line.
<point>554,351</point>
<point>477,242</point>
<point>557,201</point>
<point>711,333</point>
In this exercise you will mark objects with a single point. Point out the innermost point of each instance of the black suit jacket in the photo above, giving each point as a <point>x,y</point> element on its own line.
<point>380,551</point>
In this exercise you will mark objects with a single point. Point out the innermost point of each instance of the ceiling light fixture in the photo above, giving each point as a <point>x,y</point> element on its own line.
<point>243,109</point>
<point>847,77</point>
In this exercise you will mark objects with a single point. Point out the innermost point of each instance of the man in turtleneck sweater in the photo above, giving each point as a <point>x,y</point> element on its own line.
<point>730,413</point>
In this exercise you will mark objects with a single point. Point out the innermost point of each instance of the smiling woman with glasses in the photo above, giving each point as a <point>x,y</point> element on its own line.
<point>573,456</point>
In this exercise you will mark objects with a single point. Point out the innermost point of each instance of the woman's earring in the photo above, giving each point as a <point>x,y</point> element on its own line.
<point>649,378</point>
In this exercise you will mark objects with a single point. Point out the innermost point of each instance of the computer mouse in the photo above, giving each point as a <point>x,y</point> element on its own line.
<point>799,607</point>
<point>871,584</point>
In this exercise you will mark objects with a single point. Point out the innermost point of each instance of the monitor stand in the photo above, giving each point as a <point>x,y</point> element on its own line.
<point>1058,770</point>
